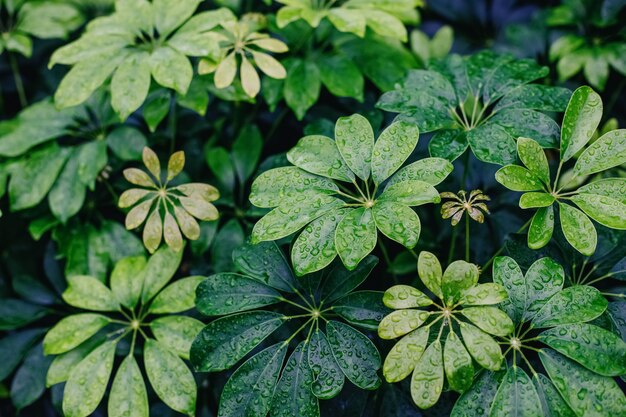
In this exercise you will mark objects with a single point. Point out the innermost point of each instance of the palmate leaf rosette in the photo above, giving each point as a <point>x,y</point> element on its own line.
<point>137,305</point>
<point>603,201</point>
<point>484,101</point>
<point>552,330</point>
<point>142,40</point>
<point>385,18</point>
<point>266,297</point>
<point>166,210</point>
<point>343,191</point>
<point>467,317</point>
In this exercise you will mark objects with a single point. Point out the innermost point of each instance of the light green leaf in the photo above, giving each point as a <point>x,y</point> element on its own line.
<point>250,388</point>
<point>410,193</point>
<point>405,296</point>
<point>507,273</point>
<point>341,76</point>
<point>429,271</point>
<point>457,364</point>
<point>609,187</point>
<point>490,320</point>
<point>517,178</point>
<point>484,294</point>
<point>226,71</point>
<point>177,297</point>
<point>401,359</point>
<point>170,14</point>
<point>430,170</point>
<point>398,222</point>
<point>348,20</point>
<point>176,333</point>
<point>534,158</point>
<point>458,277</point>
<point>71,331</point>
<point>329,379</point>
<point>355,140</point>
<point>605,210</point>
<point>127,280</point>
<point>536,200</point>
<point>89,293</point>
<point>319,155</point>
<point>581,119</point>
<point>165,371</point>
<point>516,396</point>
<point>601,396</point>
<point>227,293</point>
<point>577,304</point>
<point>68,192</point>
<point>128,397</point>
<point>355,236</point>
<point>130,84</point>
<point>541,228</point>
<point>607,152</point>
<point>63,364</point>
<point>401,322</point>
<point>88,381</point>
<point>394,145</point>
<point>578,229</point>
<point>543,280</point>
<point>160,268</point>
<point>551,401</point>
<point>427,380</point>
<point>482,347</point>
<point>355,354</point>
<point>225,341</point>
<point>171,69</point>
<point>593,347</point>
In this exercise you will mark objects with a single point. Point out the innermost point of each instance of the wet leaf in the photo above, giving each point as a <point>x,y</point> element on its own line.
<point>62,365</point>
<point>551,401</point>
<point>320,155</point>
<point>544,279</point>
<point>176,333</point>
<point>89,293</point>
<point>482,347</point>
<point>491,143</point>
<point>72,331</point>
<point>355,140</point>
<point>401,359</point>
<point>265,262</point>
<point>484,294</point>
<point>609,187</point>
<point>410,193</point>
<point>535,200</point>
<point>429,270</point>
<point>581,119</point>
<point>476,402</point>
<point>458,277</point>
<point>541,228</point>
<point>355,236</point>
<point>398,222</point>
<point>516,396</point>
<point>127,280</point>
<point>427,379</point>
<point>405,296</point>
<point>293,395</point>
<point>401,322</point>
<point>457,364</point>
<point>490,319</point>
<point>329,379</point>
<point>517,178</point>
<point>578,229</point>
<point>362,309</point>
<point>159,270</point>
<point>128,397</point>
<point>430,170</point>
<point>341,281</point>
<point>605,210</point>
<point>577,304</point>
<point>394,145</point>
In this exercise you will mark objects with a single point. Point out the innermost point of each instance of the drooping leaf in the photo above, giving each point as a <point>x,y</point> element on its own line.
<point>128,396</point>
<point>516,396</point>
<point>355,236</point>
<point>427,379</point>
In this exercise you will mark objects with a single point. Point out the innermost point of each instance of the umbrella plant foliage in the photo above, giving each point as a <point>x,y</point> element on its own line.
<point>551,328</point>
<point>484,101</point>
<point>137,305</point>
<point>267,310</point>
<point>603,200</point>
<point>343,191</point>
<point>467,319</point>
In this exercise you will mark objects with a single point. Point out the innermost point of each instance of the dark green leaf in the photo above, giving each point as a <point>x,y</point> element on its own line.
<point>576,304</point>
<point>293,396</point>
<point>329,378</point>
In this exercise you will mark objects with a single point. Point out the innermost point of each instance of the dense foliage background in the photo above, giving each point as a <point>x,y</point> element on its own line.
<point>172,202</point>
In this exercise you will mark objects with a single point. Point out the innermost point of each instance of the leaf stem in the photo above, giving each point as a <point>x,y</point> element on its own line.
<point>467,239</point>
<point>19,85</point>
<point>284,300</point>
<point>294,334</point>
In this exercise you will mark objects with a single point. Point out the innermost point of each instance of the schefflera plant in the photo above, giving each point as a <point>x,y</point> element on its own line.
<point>168,209</point>
<point>266,297</point>
<point>342,191</point>
<point>603,201</point>
<point>136,305</point>
<point>552,328</point>
<point>461,305</point>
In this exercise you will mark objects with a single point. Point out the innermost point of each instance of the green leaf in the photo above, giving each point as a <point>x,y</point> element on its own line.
<point>427,379</point>
<point>362,309</point>
<point>340,76</point>
<point>314,249</point>
<point>516,396</point>
<point>128,397</point>
<point>165,371</point>
<point>92,158</point>
<point>398,222</point>
<point>71,331</point>
<point>302,86</point>
<point>543,280</point>
<point>517,178</point>
<point>348,20</point>
<point>329,378</point>
<point>266,262</point>
<point>541,228</point>
<point>482,347</point>
<point>13,348</point>
<point>401,322</point>
<point>67,195</point>
<point>605,210</point>
<point>587,393</point>
<point>393,147</point>
<point>28,383</point>
<point>578,229</point>
<point>491,143</point>
<point>581,119</point>
<point>405,296</point>
<point>534,158</point>
<point>127,142</point>
<point>536,200</point>
<point>176,333</point>
<point>458,277</point>
<point>170,14</point>
<point>448,144</point>
<point>577,304</point>
<point>287,219</point>
<point>551,401</point>
<point>355,354</point>
<point>430,170</point>
<point>593,347</point>
<point>293,395</point>
<point>130,84</point>
<point>246,151</point>
<point>528,123</point>
<point>319,155</point>
<point>609,187</point>
<point>63,364</point>
<point>89,293</point>
<point>287,185</point>
<point>354,138</point>
<point>355,236</point>
<point>88,381</point>
<point>250,389</point>
<point>161,267</point>
<point>605,153</point>
<point>405,354</point>
<point>227,293</point>
<point>490,320</point>
<point>155,109</point>
<point>171,69</point>
<point>225,341</point>
<point>340,281</point>
<point>127,280</point>
<point>537,97</point>
<point>507,273</point>
<point>177,297</point>
<point>476,402</point>
<point>457,364</point>
<point>410,193</point>
<point>484,294</point>
<point>429,271</point>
